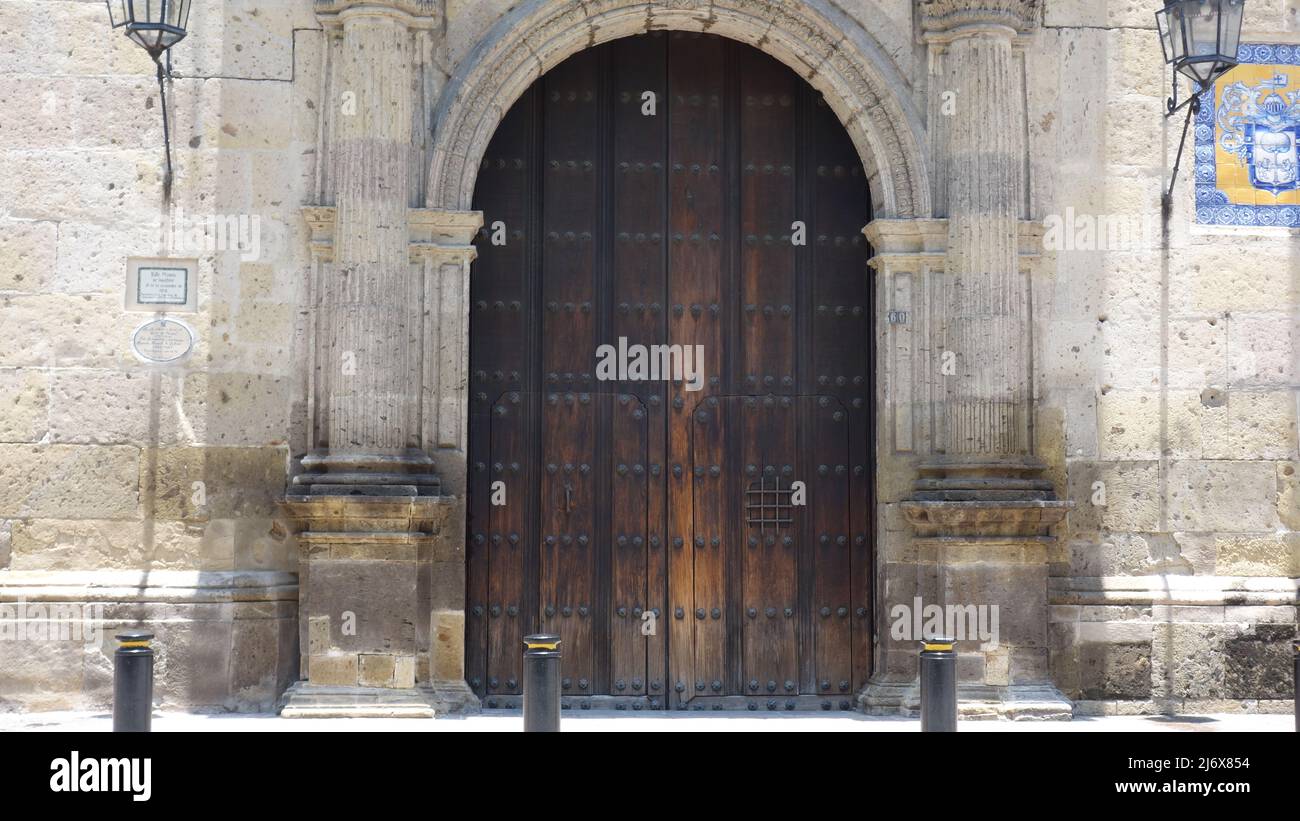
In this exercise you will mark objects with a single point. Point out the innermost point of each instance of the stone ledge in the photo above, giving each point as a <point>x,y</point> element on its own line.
<point>975,519</point>
<point>160,586</point>
<point>975,702</point>
<point>444,698</point>
<point>1183,707</point>
<point>1173,590</point>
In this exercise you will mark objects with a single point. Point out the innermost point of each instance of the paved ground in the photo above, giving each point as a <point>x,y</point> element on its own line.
<point>611,721</point>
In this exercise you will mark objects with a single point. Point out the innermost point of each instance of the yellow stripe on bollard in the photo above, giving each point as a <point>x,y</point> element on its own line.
<point>134,644</point>
<point>933,648</point>
<point>543,646</point>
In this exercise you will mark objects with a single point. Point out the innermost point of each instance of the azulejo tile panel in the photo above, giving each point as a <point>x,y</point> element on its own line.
<point>1248,141</point>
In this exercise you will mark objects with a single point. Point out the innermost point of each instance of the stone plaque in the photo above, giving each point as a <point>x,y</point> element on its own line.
<point>162,286</point>
<point>162,341</point>
<point>159,284</point>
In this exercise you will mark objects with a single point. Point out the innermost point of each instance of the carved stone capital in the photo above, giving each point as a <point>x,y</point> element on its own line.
<point>940,17</point>
<point>320,221</point>
<point>415,13</point>
<point>444,236</point>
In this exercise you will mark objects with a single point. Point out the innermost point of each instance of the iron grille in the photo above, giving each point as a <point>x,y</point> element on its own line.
<point>768,505</point>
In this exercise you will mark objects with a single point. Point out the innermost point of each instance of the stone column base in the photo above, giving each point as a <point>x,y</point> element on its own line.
<point>1012,702</point>
<point>443,698</point>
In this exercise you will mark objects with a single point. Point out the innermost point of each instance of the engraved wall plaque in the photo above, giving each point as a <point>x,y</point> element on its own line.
<point>162,341</point>
<point>162,285</point>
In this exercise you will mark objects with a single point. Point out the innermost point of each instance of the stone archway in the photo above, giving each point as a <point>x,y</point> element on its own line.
<point>830,50</point>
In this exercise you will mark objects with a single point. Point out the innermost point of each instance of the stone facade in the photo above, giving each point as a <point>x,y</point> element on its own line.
<point>1112,457</point>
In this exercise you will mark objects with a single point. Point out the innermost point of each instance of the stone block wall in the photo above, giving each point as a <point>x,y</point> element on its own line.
<point>139,494</point>
<point>1166,363</point>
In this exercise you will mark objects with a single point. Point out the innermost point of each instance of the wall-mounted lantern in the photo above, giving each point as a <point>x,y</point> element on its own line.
<point>1199,39</point>
<point>156,25</point>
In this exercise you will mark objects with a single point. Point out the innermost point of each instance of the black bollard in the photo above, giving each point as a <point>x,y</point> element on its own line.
<point>133,682</point>
<point>1295,693</point>
<point>542,683</point>
<point>938,686</point>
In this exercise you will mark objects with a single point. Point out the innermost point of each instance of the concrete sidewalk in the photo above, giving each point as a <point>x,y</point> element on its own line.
<point>609,721</point>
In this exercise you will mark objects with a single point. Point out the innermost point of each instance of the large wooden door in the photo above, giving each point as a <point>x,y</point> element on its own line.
<point>677,190</point>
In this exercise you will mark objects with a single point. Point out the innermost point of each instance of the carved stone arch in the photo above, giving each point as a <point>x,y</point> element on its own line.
<point>830,50</point>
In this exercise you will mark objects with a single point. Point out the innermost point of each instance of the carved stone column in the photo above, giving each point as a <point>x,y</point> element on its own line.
<point>381,574</point>
<point>980,510</point>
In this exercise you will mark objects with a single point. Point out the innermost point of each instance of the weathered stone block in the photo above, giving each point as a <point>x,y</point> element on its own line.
<point>376,670</point>
<point>1258,664</point>
<point>253,661</point>
<point>1259,425</point>
<point>333,669</point>
<point>1119,670</point>
<point>448,632</point>
<point>1129,425</point>
<point>404,671</point>
<point>112,407</point>
<point>381,595</point>
<point>1131,492</point>
<point>24,408</point>
<point>63,544</point>
<point>235,482</point>
<point>69,481</point>
<point>1258,555</point>
<point>27,250</point>
<point>1221,496</point>
<point>57,329</point>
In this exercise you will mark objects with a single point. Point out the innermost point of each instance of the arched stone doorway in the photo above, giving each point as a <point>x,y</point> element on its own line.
<point>814,38</point>
<point>832,52</point>
<point>671,460</point>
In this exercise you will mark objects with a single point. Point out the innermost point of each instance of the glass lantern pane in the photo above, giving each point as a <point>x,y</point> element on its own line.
<point>1177,31</point>
<point>1166,43</point>
<point>183,15</point>
<point>1203,29</point>
<point>1230,27</point>
<point>147,38</point>
<point>117,12</point>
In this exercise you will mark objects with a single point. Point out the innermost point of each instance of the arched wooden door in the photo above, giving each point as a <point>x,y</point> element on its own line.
<point>679,190</point>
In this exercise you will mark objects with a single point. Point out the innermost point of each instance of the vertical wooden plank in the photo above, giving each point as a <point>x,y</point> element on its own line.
<point>780,581</point>
<point>843,356</point>
<point>498,330</point>
<point>695,216</point>
<point>750,426</point>
<point>828,490</point>
<point>628,538</point>
<point>767,348</point>
<point>767,135</point>
<point>638,286</point>
<point>507,613</point>
<point>569,492</point>
<point>714,509</point>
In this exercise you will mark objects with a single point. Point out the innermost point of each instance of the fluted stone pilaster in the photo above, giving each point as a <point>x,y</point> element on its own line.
<point>369,353</point>
<point>985,357</point>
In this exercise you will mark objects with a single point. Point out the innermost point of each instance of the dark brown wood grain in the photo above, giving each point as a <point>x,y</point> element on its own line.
<point>628,496</point>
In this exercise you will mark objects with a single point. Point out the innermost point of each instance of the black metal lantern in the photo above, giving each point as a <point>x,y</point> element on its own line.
<point>1199,39</point>
<point>156,25</point>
